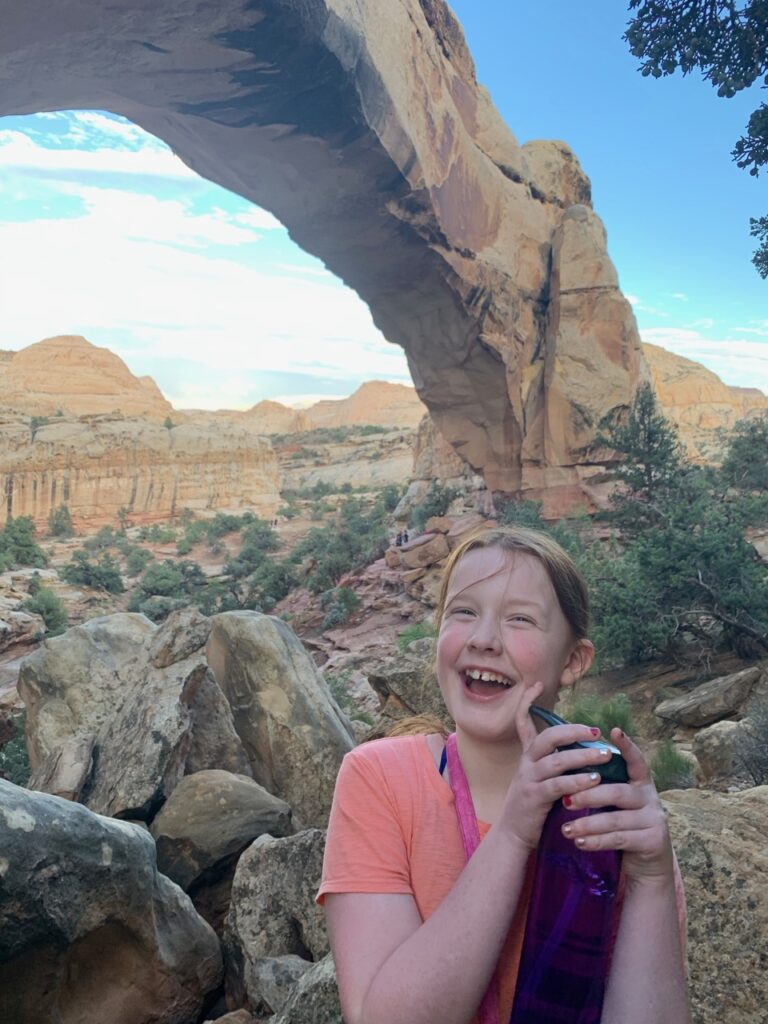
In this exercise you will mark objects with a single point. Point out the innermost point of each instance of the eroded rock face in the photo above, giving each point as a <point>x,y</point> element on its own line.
<point>273,915</point>
<point>90,931</point>
<point>98,465</point>
<point>363,129</point>
<point>721,843</point>
<point>294,734</point>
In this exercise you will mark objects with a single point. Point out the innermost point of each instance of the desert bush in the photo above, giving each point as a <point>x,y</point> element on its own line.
<point>137,559</point>
<point>103,540</point>
<point>101,575</point>
<point>45,603</point>
<point>14,759</point>
<point>414,632</point>
<point>18,546</point>
<point>60,523</point>
<point>604,713</point>
<point>341,603</point>
<point>436,503</point>
<point>671,769</point>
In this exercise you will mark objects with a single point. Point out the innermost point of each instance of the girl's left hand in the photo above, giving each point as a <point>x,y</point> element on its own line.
<point>635,824</point>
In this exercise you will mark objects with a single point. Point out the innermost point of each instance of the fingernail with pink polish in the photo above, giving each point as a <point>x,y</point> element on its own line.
<point>595,731</point>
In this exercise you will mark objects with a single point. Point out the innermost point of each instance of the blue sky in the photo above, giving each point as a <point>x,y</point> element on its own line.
<point>103,232</point>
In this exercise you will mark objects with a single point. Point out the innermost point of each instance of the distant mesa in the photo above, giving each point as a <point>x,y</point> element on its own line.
<point>69,375</point>
<point>375,403</point>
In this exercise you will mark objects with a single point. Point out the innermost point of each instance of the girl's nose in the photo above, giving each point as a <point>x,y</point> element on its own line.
<point>486,636</point>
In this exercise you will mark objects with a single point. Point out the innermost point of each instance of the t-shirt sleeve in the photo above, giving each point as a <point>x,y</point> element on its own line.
<point>366,850</point>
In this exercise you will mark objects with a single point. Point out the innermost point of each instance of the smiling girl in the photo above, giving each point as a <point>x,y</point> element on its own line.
<point>431,850</point>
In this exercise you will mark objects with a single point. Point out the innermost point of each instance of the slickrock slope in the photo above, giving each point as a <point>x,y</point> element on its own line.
<point>376,402</point>
<point>98,465</point>
<point>362,127</point>
<point>70,375</point>
<point>697,400</point>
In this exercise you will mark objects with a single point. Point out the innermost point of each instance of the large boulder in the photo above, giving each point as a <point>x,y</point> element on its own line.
<point>210,816</point>
<point>290,726</point>
<point>711,701</point>
<point>406,685</point>
<point>273,916</point>
<point>119,710</point>
<point>722,846</point>
<point>90,931</point>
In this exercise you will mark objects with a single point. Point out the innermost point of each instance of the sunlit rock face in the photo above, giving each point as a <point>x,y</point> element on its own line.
<point>362,128</point>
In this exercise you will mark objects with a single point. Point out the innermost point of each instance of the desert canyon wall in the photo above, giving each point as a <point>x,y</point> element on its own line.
<point>77,428</point>
<point>363,129</point>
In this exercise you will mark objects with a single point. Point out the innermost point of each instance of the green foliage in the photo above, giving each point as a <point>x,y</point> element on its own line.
<point>14,759</point>
<point>356,537</point>
<point>728,44</point>
<point>166,586</point>
<point>35,583</point>
<point>685,573</point>
<point>753,754</point>
<point>105,539</point>
<point>101,575</point>
<point>390,496</point>
<point>758,228</point>
<point>45,603</point>
<point>36,422</point>
<point>604,713</point>
<point>18,546</point>
<point>137,559</point>
<point>289,511</point>
<point>436,503</point>
<point>671,769</point>
<point>60,523</point>
<point>341,603</point>
<point>745,464</point>
<point>157,534</point>
<point>168,423</point>
<point>415,632</point>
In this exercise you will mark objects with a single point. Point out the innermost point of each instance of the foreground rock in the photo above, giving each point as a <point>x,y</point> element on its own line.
<point>292,730</point>
<point>119,711</point>
<point>481,257</point>
<point>274,931</point>
<point>90,931</point>
<point>722,845</point>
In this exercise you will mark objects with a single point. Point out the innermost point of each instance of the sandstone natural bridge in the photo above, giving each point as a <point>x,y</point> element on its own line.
<point>361,126</point>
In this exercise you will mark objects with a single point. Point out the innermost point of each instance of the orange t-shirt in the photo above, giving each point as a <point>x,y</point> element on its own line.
<point>393,829</point>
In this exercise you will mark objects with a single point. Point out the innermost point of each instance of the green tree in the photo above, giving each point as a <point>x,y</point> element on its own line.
<point>60,523</point>
<point>18,546</point>
<point>683,572</point>
<point>745,463</point>
<point>45,603</point>
<point>727,41</point>
<point>101,575</point>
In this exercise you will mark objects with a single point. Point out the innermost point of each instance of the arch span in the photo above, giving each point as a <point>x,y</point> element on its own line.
<point>361,126</point>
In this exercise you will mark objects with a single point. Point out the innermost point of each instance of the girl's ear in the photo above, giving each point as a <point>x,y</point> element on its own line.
<point>579,660</point>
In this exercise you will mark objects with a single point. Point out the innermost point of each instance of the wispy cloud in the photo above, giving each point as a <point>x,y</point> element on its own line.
<point>737,361</point>
<point>680,296</point>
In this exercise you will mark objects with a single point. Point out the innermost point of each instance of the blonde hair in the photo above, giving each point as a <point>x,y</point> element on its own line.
<point>568,583</point>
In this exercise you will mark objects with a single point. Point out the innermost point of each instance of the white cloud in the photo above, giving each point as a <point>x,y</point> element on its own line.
<point>19,152</point>
<point>680,296</point>
<point>87,276</point>
<point>736,361</point>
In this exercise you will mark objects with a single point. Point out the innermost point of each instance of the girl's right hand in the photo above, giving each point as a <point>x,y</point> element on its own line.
<point>540,778</point>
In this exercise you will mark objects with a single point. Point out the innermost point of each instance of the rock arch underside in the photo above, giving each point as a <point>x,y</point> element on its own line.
<point>362,127</point>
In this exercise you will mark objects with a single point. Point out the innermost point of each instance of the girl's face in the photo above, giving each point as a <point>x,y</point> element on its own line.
<point>502,631</point>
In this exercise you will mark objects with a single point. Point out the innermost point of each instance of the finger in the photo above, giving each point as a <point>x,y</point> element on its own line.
<point>580,759</point>
<point>605,823</point>
<point>637,766</point>
<point>615,794</point>
<point>526,730</point>
<point>548,740</point>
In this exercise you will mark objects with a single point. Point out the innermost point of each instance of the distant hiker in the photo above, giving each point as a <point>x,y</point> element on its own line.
<point>405,536</point>
<point>399,540</point>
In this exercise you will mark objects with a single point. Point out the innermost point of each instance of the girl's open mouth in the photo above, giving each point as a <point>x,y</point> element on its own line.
<point>484,683</point>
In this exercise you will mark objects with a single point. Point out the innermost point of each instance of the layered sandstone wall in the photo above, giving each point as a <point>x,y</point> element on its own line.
<point>98,465</point>
<point>697,400</point>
